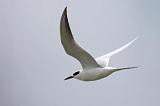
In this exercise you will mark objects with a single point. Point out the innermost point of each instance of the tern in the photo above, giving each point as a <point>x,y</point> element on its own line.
<point>92,69</point>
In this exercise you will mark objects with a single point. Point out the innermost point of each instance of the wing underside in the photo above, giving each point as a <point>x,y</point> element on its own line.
<point>71,47</point>
<point>104,60</point>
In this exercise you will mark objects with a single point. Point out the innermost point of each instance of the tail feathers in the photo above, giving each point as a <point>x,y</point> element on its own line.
<point>118,69</point>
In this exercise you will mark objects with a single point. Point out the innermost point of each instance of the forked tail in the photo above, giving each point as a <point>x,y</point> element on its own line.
<point>118,69</point>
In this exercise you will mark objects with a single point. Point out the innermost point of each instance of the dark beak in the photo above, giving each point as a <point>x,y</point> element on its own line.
<point>68,77</point>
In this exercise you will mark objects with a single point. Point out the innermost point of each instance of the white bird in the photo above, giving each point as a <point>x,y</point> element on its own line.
<point>92,69</point>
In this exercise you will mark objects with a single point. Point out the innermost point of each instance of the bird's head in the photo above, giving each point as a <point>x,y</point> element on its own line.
<point>74,74</point>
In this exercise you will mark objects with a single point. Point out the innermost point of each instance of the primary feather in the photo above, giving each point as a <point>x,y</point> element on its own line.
<point>71,47</point>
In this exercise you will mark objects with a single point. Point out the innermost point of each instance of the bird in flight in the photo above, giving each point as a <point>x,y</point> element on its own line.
<point>92,68</point>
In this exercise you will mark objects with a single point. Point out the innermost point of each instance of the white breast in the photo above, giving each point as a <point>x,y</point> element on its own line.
<point>93,74</point>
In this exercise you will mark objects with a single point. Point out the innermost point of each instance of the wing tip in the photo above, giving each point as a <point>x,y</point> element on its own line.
<point>136,38</point>
<point>64,14</point>
<point>65,10</point>
<point>133,40</point>
<point>64,19</point>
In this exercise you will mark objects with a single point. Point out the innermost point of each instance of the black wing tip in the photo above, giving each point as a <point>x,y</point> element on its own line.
<point>64,14</point>
<point>65,10</point>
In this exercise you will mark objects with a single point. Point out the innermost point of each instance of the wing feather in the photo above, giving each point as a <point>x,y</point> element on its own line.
<point>71,47</point>
<point>104,60</point>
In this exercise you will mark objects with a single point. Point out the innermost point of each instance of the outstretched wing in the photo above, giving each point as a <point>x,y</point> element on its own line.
<point>103,60</point>
<point>71,47</point>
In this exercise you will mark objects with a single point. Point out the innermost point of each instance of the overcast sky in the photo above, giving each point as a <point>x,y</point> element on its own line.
<point>33,64</point>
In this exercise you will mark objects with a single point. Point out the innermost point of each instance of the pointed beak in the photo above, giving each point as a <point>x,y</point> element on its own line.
<point>68,77</point>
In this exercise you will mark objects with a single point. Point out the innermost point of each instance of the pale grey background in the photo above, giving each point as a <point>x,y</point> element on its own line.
<point>33,63</point>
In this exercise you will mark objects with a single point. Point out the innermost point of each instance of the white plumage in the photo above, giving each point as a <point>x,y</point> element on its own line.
<point>92,69</point>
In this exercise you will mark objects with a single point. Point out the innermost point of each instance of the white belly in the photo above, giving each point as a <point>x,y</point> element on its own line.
<point>94,74</point>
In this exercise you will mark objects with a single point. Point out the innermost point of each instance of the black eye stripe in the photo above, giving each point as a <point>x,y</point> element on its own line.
<point>76,73</point>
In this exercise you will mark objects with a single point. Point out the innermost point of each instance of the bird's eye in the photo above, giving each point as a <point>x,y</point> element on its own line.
<point>76,73</point>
